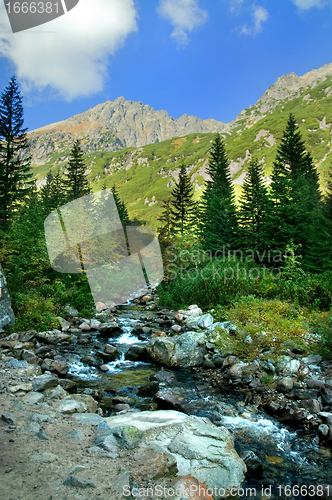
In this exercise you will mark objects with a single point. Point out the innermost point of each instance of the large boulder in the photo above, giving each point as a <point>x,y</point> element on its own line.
<point>183,350</point>
<point>7,318</point>
<point>200,448</point>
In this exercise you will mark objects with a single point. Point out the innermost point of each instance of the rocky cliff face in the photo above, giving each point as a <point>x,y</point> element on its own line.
<point>111,126</point>
<point>287,87</point>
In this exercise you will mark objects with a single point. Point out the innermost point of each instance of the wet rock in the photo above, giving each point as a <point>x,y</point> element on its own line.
<point>104,368</point>
<point>123,400</point>
<point>137,353</point>
<point>200,448</point>
<point>254,464</point>
<point>60,367</point>
<point>167,400</point>
<point>78,482</point>
<point>163,376</point>
<point>152,462</point>
<point>183,350</point>
<point>109,329</point>
<point>218,359</point>
<point>100,306</point>
<point>44,381</point>
<point>148,390</point>
<point>90,360</point>
<point>326,416</point>
<point>110,349</point>
<point>326,393</point>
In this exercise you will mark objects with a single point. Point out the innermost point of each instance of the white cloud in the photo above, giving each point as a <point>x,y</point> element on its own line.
<point>260,15</point>
<point>184,15</point>
<point>307,4</point>
<point>72,60</point>
<point>235,5</point>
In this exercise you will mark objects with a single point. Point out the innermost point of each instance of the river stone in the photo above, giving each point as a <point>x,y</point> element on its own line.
<point>78,482</point>
<point>148,390</point>
<point>109,328</point>
<point>7,317</point>
<point>53,337</point>
<point>137,353</point>
<point>44,381</point>
<point>326,393</point>
<point>199,447</point>
<point>167,400</point>
<point>183,350</point>
<point>88,400</point>
<point>69,406</point>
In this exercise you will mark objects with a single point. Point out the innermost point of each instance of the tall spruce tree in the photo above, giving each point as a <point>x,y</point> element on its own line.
<point>296,198</point>
<point>76,182</point>
<point>183,206</point>
<point>166,229</point>
<point>15,176</point>
<point>122,209</point>
<point>253,210</point>
<point>53,193</point>
<point>218,219</point>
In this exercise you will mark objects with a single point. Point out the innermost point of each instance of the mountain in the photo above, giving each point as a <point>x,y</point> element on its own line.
<point>112,126</point>
<point>148,166</point>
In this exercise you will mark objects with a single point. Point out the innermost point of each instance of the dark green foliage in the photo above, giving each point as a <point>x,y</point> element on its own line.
<point>253,210</point>
<point>217,219</point>
<point>122,209</point>
<point>76,183</point>
<point>296,200</point>
<point>183,207</point>
<point>53,194</point>
<point>15,176</point>
<point>165,230</point>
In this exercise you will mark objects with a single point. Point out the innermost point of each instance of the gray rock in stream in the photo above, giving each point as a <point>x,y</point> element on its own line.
<point>183,350</point>
<point>200,448</point>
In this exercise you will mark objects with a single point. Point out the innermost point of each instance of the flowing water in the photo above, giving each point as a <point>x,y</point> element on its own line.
<point>289,457</point>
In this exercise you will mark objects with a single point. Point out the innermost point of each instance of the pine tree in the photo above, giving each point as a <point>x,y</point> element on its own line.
<point>15,176</point>
<point>296,198</point>
<point>183,207</point>
<point>166,230</point>
<point>253,210</point>
<point>76,182</point>
<point>218,219</point>
<point>122,209</point>
<point>53,193</point>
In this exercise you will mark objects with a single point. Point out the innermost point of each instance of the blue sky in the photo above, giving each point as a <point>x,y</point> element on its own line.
<point>209,58</point>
